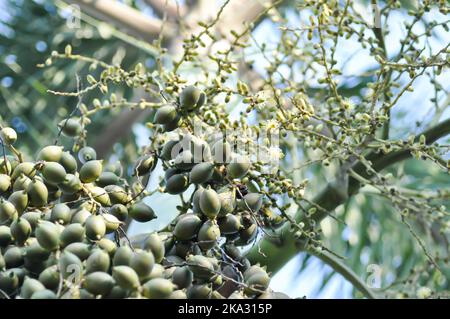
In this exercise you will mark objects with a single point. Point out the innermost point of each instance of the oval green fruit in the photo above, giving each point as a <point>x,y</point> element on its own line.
<point>50,153</point>
<point>99,283</point>
<point>68,162</point>
<point>187,227</point>
<point>95,227</point>
<point>20,230</point>
<point>126,277</point>
<point>238,167</point>
<point>9,135</point>
<point>172,146</point>
<point>182,277</point>
<point>91,171</point>
<point>98,261</point>
<point>157,288</point>
<point>47,234</point>
<point>44,294</point>
<point>107,178</point>
<point>50,277</point>
<point>20,200</point>
<point>5,183</point>
<point>201,267</point>
<point>53,173</point>
<point>177,184</point>
<point>117,194</point>
<point>208,235</point>
<point>71,184</point>
<point>13,257</point>
<point>191,98</point>
<point>25,168</point>
<point>61,214</point>
<point>70,266</point>
<point>122,256</point>
<point>230,224</point>
<point>79,249</point>
<point>201,173</point>
<point>70,127</point>
<point>120,211</point>
<point>209,203</point>
<point>142,262</point>
<point>72,233</point>
<point>5,236</point>
<point>165,114</point>
<point>154,244</point>
<point>87,154</point>
<point>141,212</point>
<point>252,201</point>
<point>37,193</point>
<point>29,287</point>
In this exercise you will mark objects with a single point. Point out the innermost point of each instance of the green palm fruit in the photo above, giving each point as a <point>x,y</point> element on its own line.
<point>254,269</point>
<point>32,217</point>
<point>154,244</point>
<point>20,200</point>
<point>199,292</point>
<point>222,152</point>
<point>29,287</point>
<point>73,233</point>
<point>70,127</point>
<point>178,294</point>
<point>119,211</point>
<point>107,245</point>
<point>60,213</point>
<point>87,154</point>
<point>171,171</point>
<point>44,294</point>
<point>34,251</point>
<point>20,230</point>
<point>8,135</point>
<point>201,267</point>
<point>47,234</point>
<point>172,146</point>
<point>257,283</point>
<point>71,184</point>
<point>123,256</point>
<point>111,222</point>
<point>82,294</point>
<point>53,173</point>
<point>196,200</point>
<point>95,227</point>
<point>165,114</point>
<point>68,162</point>
<point>142,262</point>
<point>70,265</point>
<point>201,173</point>
<point>209,203</point>
<point>25,168</point>
<point>158,288</point>
<point>126,277</point>
<point>99,283</point>
<point>50,153</point>
<point>227,202</point>
<point>79,249</point>
<point>7,211</point>
<point>90,171</point>
<point>114,167</point>
<point>252,201</point>
<point>9,281</point>
<point>141,212</point>
<point>187,227</point>
<point>50,277</point>
<point>192,98</point>
<point>100,195</point>
<point>80,216</point>
<point>37,193</point>
<point>208,235</point>
<point>13,257</point>
<point>238,167</point>
<point>22,182</point>
<point>6,165</point>
<point>157,272</point>
<point>173,124</point>
<point>117,194</point>
<point>230,224</point>
<point>144,165</point>
<point>117,292</point>
<point>98,260</point>
<point>5,183</point>
<point>5,236</point>
<point>182,277</point>
<point>107,178</point>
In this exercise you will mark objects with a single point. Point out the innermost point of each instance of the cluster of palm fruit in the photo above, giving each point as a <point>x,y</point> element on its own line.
<point>62,217</point>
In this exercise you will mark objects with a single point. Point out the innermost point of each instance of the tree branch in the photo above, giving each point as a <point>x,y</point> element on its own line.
<point>339,267</point>
<point>281,251</point>
<point>123,16</point>
<point>169,7</point>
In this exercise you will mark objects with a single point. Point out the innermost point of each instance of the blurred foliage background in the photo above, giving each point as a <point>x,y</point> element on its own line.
<point>372,234</point>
